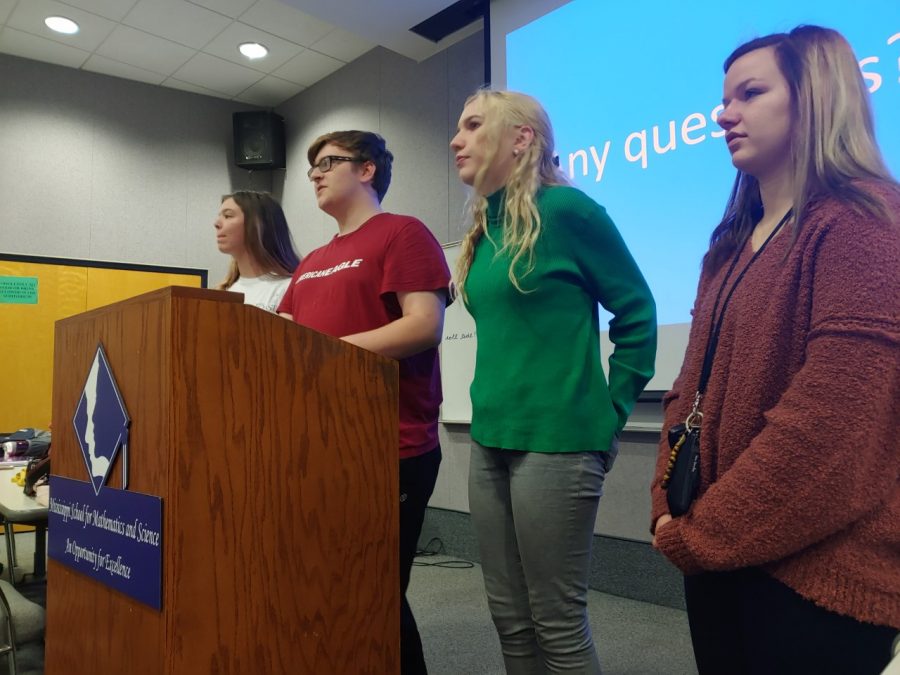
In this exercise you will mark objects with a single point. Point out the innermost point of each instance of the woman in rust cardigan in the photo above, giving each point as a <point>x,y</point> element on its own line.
<point>791,551</point>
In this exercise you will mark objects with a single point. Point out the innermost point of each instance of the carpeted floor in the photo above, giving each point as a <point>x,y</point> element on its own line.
<point>447,596</point>
<point>632,638</point>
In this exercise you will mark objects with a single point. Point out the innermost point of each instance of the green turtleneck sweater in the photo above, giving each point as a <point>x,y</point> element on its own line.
<point>538,384</point>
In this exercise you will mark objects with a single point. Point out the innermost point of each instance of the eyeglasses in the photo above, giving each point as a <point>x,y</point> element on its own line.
<point>326,164</point>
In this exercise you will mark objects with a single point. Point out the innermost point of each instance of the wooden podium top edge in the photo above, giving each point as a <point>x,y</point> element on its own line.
<point>161,294</point>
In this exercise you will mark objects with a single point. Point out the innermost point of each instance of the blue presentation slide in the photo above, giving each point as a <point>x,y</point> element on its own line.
<point>633,90</point>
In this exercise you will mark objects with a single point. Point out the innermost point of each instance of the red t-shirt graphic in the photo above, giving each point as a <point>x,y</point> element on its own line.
<point>349,286</point>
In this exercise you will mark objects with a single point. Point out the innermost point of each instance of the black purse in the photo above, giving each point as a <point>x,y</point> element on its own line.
<point>681,480</point>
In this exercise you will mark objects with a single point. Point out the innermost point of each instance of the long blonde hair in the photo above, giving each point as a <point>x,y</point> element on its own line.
<point>521,221</point>
<point>832,142</point>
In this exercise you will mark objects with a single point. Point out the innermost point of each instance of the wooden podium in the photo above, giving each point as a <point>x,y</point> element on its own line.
<point>274,450</point>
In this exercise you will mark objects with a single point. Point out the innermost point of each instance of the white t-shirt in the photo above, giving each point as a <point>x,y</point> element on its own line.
<point>264,292</point>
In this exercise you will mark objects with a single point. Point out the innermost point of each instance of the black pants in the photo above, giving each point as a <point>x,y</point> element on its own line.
<point>747,623</point>
<point>417,478</point>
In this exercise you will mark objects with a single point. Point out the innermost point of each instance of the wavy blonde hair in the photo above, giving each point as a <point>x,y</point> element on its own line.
<point>521,221</point>
<point>833,143</point>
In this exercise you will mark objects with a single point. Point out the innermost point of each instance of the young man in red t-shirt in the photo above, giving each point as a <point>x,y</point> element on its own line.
<point>382,284</point>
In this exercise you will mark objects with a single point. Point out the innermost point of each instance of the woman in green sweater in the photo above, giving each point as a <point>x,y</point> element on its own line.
<point>538,259</point>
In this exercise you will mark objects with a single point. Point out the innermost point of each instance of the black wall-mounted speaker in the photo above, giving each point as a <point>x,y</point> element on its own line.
<point>258,140</point>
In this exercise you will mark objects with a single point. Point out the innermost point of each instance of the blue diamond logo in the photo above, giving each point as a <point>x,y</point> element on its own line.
<point>100,421</point>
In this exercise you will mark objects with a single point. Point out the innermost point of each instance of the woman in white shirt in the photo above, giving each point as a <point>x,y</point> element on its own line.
<point>252,229</point>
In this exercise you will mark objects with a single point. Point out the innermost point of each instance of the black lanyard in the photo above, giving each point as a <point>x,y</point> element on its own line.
<point>715,325</point>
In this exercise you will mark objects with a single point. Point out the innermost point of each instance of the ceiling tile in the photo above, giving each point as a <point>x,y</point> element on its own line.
<point>377,13</point>
<point>286,22</point>
<point>29,17</point>
<point>308,39</point>
<point>145,51</point>
<point>105,66</point>
<point>177,20</point>
<point>225,46</point>
<point>217,74</point>
<point>343,45</point>
<point>418,48</point>
<point>172,83</point>
<point>232,8</point>
<point>30,46</point>
<point>269,92</point>
<point>387,22</point>
<point>308,67</point>
<point>111,9</point>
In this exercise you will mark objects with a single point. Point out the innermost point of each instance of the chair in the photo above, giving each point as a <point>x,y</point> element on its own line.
<point>10,538</point>
<point>7,633</point>
<point>22,624</point>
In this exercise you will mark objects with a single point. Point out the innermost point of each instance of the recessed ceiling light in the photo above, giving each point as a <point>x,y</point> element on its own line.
<point>253,50</point>
<point>61,24</point>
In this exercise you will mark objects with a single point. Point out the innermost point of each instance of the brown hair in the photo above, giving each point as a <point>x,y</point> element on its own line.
<point>833,142</point>
<point>266,236</point>
<point>364,145</point>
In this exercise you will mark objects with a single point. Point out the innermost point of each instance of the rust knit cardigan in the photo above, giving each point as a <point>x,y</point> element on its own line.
<point>801,430</point>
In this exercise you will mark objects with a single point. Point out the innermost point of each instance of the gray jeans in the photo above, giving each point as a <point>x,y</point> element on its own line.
<point>534,515</point>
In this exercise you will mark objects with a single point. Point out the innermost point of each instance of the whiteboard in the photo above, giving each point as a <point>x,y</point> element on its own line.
<point>457,355</point>
<point>459,343</point>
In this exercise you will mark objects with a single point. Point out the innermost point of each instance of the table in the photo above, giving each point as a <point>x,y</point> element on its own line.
<point>17,507</point>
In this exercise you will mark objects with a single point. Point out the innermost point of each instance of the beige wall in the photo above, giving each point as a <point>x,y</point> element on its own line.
<point>101,168</point>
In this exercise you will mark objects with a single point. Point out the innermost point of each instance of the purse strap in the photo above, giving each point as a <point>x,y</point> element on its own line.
<point>715,324</point>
